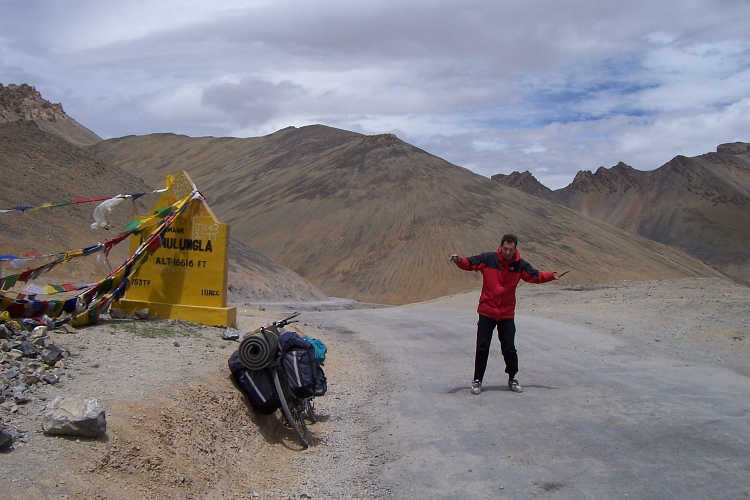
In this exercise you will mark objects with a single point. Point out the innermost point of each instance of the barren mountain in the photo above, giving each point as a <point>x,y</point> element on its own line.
<point>699,205</point>
<point>526,182</point>
<point>375,219</point>
<point>25,103</point>
<point>38,167</point>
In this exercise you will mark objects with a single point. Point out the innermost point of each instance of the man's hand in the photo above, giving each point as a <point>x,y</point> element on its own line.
<point>557,276</point>
<point>455,258</point>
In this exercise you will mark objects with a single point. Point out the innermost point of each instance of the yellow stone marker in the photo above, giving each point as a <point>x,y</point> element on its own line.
<point>187,277</point>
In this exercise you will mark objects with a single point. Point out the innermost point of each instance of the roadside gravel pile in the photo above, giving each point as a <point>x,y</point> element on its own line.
<point>28,360</point>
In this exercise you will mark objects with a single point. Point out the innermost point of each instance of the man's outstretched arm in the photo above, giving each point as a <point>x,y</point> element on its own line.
<point>475,263</point>
<point>461,262</point>
<point>531,275</point>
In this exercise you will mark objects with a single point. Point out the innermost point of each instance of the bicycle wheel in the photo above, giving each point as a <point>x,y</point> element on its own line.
<point>292,410</point>
<point>310,411</point>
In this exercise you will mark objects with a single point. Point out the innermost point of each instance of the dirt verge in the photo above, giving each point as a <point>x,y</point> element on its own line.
<point>176,425</point>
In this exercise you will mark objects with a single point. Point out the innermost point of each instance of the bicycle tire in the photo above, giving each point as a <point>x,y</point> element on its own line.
<point>292,412</point>
<point>310,411</point>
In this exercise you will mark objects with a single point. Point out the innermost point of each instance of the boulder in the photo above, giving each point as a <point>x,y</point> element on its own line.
<point>75,416</point>
<point>6,441</point>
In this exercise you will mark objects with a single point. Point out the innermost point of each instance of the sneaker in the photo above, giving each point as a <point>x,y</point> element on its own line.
<point>514,386</point>
<point>476,387</point>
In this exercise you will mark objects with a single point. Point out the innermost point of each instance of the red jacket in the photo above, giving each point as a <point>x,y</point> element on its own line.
<point>500,278</point>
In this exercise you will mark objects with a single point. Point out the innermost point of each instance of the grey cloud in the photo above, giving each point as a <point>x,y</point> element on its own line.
<point>477,82</point>
<point>250,101</point>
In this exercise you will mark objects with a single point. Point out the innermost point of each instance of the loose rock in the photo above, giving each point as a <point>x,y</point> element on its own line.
<point>39,331</point>
<point>142,313</point>
<point>27,349</point>
<point>6,441</point>
<point>230,334</point>
<point>116,313</point>
<point>66,328</point>
<point>75,416</point>
<point>52,354</point>
<point>31,379</point>
<point>20,393</point>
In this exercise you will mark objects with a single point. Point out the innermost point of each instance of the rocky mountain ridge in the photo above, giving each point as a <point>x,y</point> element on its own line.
<point>526,182</point>
<point>24,103</point>
<point>699,204</point>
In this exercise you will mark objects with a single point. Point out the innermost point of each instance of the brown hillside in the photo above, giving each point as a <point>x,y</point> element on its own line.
<point>38,167</point>
<point>374,218</point>
<point>700,205</point>
<point>25,103</point>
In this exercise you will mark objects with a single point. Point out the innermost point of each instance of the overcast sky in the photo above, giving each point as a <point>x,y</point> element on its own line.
<point>495,86</point>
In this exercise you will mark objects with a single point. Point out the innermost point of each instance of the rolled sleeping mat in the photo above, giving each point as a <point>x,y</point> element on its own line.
<point>258,350</point>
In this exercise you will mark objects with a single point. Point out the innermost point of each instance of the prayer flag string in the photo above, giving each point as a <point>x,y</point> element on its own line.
<point>75,201</point>
<point>84,308</point>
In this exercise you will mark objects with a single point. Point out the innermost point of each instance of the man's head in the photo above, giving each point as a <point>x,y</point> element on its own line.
<point>508,246</point>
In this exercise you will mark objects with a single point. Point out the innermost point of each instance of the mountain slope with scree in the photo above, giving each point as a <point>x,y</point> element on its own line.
<point>374,218</point>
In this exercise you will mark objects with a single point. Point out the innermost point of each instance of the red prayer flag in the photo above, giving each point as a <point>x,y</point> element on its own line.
<point>81,199</point>
<point>154,245</point>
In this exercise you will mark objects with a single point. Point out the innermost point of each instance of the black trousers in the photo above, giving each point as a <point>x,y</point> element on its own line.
<point>506,333</point>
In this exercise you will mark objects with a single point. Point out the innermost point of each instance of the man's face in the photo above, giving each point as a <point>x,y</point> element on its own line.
<point>508,250</point>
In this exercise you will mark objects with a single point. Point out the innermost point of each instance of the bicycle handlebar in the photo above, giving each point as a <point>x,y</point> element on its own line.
<point>287,320</point>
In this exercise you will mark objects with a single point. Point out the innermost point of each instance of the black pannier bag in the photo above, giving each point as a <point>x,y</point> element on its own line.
<point>298,361</point>
<point>257,385</point>
<point>321,383</point>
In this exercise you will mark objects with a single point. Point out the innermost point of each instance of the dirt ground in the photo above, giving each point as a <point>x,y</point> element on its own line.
<point>176,425</point>
<point>178,428</point>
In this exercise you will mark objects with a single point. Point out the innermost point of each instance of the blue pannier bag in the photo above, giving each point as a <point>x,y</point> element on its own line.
<point>257,385</point>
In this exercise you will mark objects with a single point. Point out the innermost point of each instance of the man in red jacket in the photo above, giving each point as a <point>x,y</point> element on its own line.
<point>501,272</point>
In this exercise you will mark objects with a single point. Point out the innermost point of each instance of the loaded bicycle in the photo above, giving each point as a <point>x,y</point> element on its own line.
<point>276,368</point>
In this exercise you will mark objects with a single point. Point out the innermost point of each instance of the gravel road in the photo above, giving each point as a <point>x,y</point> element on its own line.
<point>633,390</point>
